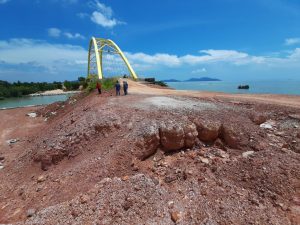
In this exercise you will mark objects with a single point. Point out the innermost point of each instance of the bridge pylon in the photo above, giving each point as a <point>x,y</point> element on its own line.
<point>97,47</point>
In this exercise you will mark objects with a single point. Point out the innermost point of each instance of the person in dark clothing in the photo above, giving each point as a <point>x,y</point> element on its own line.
<point>99,86</point>
<point>118,88</point>
<point>125,87</point>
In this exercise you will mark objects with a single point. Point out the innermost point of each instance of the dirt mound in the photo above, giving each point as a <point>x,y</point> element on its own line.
<point>144,159</point>
<point>134,200</point>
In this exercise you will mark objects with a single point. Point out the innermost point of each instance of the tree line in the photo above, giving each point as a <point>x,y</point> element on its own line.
<point>18,89</point>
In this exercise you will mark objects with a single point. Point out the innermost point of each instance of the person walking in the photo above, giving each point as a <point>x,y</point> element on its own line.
<point>118,88</point>
<point>125,87</point>
<point>99,86</point>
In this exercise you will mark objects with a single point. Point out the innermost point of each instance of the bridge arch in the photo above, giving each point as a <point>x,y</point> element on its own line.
<point>97,47</point>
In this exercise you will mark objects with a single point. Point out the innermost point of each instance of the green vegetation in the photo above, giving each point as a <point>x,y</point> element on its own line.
<point>18,89</point>
<point>107,83</point>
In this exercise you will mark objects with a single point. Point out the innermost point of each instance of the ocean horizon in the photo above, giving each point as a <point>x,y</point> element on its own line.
<point>288,87</point>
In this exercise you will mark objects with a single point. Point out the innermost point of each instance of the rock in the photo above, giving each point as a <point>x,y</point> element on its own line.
<point>258,119</point>
<point>1,166</point>
<point>175,216</point>
<point>268,125</point>
<point>148,142</point>
<point>221,154</point>
<point>2,158</point>
<point>172,136</point>
<point>298,135</point>
<point>125,178</point>
<point>208,131</point>
<point>32,115</point>
<point>190,132</point>
<point>170,204</point>
<point>41,179</point>
<point>84,199</point>
<point>30,212</point>
<point>248,153</point>
<point>175,135</point>
<point>229,136</point>
<point>204,160</point>
<point>12,141</point>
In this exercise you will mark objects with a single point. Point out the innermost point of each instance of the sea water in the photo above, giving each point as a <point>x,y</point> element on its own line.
<point>30,101</point>
<point>289,87</point>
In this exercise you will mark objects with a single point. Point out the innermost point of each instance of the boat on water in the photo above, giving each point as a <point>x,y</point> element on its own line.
<point>244,87</point>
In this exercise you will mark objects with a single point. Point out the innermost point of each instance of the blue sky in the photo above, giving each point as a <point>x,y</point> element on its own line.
<point>46,40</point>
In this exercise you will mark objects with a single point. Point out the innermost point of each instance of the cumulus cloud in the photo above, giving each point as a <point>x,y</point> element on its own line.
<point>33,56</point>
<point>54,32</point>
<point>292,41</point>
<point>206,57</point>
<point>156,59</point>
<point>4,1</point>
<point>41,57</point>
<point>73,36</point>
<point>103,15</point>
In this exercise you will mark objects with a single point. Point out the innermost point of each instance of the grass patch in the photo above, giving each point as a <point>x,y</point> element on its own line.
<point>107,83</point>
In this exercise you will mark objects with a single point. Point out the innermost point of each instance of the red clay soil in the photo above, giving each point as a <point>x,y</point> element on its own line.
<point>152,157</point>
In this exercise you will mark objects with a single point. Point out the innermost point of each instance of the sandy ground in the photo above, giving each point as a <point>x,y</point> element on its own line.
<point>15,124</point>
<point>285,100</point>
<point>55,92</point>
<point>156,156</point>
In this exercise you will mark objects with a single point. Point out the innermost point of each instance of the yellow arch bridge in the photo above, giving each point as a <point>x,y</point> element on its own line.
<point>97,47</point>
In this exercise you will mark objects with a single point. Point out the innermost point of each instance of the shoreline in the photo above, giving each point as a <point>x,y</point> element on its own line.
<point>53,92</point>
<point>21,107</point>
<point>67,145</point>
<point>272,98</point>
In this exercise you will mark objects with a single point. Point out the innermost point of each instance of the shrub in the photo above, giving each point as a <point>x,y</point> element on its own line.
<point>107,83</point>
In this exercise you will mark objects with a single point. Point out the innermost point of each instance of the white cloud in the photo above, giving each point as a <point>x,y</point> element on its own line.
<point>74,36</point>
<point>54,32</point>
<point>106,10</point>
<point>4,1</point>
<point>103,15</point>
<point>41,57</point>
<point>197,71</point>
<point>49,58</point>
<point>292,41</point>
<point>207,57</point>
<point>157,59</point>
<point>212,55</point>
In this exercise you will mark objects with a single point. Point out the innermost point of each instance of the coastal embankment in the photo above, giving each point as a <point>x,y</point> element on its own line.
<point>54,92</point>
<point>155,156</point>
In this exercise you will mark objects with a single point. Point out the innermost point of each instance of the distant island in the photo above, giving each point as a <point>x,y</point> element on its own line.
<point>171,80</point>
<point>193,79</point>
